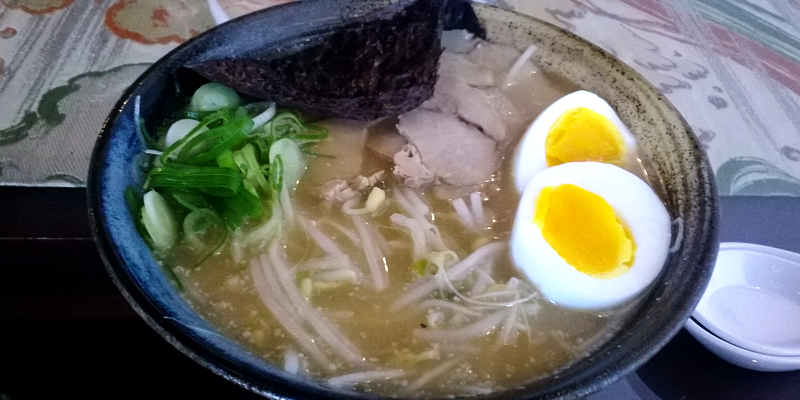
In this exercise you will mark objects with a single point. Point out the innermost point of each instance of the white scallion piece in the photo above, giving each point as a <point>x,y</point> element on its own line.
<point>261,119</point>
<point>179,129</point>
<point>294,164</point>
<point>158,220</point>
<point>214,97</point>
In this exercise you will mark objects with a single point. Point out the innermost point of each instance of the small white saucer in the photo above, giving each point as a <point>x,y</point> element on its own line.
<point>753,299</point>
<point>739,356</point>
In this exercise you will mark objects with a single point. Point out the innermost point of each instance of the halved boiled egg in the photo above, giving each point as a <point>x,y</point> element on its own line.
<point>578,127</point>
<point>590,235</point>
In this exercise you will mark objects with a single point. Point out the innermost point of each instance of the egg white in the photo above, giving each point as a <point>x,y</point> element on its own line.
<point>530,154</point>
<point>634,202</point>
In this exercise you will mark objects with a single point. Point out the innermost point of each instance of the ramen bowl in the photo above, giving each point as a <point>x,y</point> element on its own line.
<point>677,168</point>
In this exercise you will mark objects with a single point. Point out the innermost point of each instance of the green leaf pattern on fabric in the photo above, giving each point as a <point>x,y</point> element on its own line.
<point>751,176</point>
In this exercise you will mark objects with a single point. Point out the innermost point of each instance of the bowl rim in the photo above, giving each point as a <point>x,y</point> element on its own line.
<point>740,356</point>
<point>593,378</point>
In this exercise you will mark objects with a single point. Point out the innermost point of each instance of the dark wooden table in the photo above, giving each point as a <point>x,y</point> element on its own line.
<point>66,332</point>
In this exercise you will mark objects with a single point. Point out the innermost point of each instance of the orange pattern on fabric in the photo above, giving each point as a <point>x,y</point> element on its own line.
<point>157,21</point>
<point>8,33</point>
<point>37,6</point>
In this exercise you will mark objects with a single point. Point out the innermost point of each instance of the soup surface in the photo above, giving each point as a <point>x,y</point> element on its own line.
<point>402,296</point>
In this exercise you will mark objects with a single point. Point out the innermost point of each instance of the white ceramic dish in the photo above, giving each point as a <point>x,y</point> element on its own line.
<point>753,299</point>
<point>739,356</point>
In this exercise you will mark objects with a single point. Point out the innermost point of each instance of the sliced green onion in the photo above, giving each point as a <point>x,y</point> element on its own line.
<point>266,110</point>
<point>215,181</point>
<point>247,185</point>
<point>247,161</point>
<point>288,117</point>
<point>289,125</point>
<point>219,174</point>
<point>225,160</point>
<point>213,96</point>
<point>192,201</point>
<point>197,229</point>
<point>134,200</point>
<point>173,277</point>
<point>234,210</point>
<point>208,145</point>
<point>420,266</point>
<point>245,203</point>
<point>294,164</point>
<point>240,112</point>
<point>282,125</point>
<point>276,173</point>
<point>159,221</point>
<point>312,134</point>
<point>180,129</point>
<point>212,119</point>
<point>149,141</point>
<point>434,260</point>
<point>262,149</point>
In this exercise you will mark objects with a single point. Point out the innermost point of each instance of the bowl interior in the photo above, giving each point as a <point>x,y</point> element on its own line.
<point>676,166</point>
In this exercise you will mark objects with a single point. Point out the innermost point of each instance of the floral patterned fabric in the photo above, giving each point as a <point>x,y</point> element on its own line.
<point>731,67</point>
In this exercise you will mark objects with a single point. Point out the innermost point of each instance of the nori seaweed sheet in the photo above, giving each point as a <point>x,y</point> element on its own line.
<point>385,64</point>
<point>458,14</point>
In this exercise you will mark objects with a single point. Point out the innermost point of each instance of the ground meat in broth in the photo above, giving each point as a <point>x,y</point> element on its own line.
<point>387,347</point>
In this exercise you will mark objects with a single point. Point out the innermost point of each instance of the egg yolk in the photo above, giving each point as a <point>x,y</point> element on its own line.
<point>584,230</point>
<point>581,134</point>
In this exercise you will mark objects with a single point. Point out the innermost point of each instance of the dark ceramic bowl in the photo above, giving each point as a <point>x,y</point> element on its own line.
<point>680,171</point>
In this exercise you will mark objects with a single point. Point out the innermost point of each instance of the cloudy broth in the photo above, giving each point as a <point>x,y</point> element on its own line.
<point>528,340</point>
